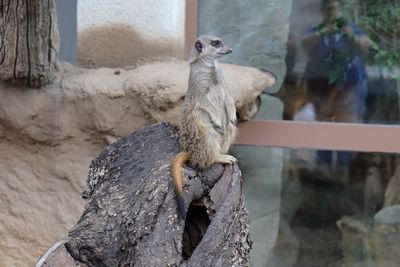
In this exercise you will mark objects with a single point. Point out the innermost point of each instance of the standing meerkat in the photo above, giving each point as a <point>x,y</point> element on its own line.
<point>208,122</point>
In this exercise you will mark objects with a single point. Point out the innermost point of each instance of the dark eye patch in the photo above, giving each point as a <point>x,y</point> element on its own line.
<point>198,46</point>
<point>216,43</point>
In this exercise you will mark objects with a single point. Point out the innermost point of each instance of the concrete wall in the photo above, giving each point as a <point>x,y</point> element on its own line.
<point>119,33</point>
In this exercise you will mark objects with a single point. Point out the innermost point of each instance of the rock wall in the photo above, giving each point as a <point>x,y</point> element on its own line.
<point>256,30</point>
<point>49,136</point>
<point>258,33</point>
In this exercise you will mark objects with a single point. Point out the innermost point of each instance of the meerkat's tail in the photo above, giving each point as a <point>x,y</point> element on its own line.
<point>176,172</point>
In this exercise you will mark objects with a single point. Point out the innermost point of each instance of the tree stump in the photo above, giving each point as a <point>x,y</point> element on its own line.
<point>131,216</point>
<point>28,42</point>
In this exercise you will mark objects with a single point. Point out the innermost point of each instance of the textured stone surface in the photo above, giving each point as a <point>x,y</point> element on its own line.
<point>256,30</point>
<point>49,136</point>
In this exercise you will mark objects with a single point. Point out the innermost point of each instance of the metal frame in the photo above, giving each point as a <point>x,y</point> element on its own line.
<point>321,135</point>
<point>190,24</point>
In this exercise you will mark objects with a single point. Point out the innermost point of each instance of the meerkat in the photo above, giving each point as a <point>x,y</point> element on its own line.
<point>208,123</point>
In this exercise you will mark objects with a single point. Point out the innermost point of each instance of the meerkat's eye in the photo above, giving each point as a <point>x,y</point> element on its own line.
<point>216,43</point>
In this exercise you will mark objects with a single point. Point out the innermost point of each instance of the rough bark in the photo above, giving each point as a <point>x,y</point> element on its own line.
<point>28,41</point>
<point>131,218</point>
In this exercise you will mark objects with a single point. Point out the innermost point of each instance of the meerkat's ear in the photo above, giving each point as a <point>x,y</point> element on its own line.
<point>197,49</point>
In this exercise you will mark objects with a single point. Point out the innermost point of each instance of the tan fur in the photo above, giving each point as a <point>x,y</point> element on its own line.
<point>176,170</point>
<point>208,124</point>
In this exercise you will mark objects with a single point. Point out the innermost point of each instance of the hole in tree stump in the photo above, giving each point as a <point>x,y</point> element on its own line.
<point>197,222</point>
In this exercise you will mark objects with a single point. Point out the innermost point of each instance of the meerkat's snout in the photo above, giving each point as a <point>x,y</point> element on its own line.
<point>225,51</point>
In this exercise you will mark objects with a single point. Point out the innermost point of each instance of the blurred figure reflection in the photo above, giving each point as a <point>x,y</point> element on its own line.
<point>335,75</point>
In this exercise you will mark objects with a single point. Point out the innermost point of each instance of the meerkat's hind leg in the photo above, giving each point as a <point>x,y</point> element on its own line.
<point>190,166</point>
<point>224,158</point>
<point>190,169</point>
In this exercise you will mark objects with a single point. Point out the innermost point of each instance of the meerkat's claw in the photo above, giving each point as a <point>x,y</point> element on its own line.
<point>226,159</point>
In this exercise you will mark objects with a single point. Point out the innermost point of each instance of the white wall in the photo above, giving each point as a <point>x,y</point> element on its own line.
<point>152,20</point>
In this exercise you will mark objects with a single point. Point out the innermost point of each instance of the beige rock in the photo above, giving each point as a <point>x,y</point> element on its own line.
<point>162,92</point>
<point>48,138</point>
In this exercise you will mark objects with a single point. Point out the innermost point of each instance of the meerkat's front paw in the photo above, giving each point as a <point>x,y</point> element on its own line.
<point>218,128</point>
<point>226,159</point>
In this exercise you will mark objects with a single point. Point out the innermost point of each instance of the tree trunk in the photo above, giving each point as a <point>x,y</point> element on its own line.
<point>28,41</point>
<point>131,216</point>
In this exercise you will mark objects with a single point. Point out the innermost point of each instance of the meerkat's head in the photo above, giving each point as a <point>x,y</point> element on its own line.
<point>207,48</point>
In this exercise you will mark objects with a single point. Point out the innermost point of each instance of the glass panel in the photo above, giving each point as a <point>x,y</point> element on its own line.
<point>342,57</point>
<point>343,61</point>
<point>321,208</point>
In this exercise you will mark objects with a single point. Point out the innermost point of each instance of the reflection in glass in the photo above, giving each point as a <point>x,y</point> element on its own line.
<point>332,217</point>
<point>343,62</point>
